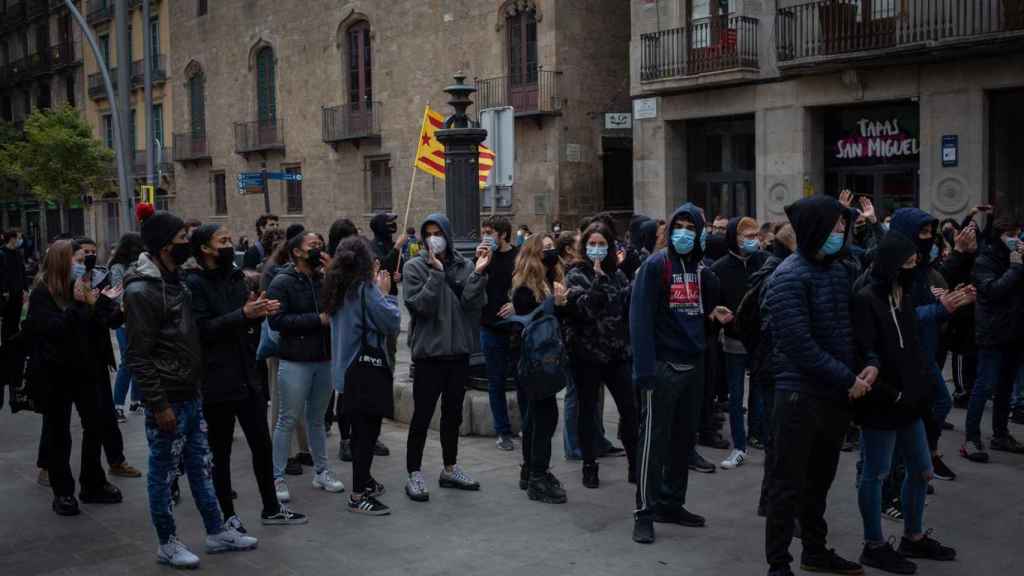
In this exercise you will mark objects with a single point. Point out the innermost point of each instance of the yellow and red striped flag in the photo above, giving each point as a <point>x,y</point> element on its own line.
<point>430,152</point>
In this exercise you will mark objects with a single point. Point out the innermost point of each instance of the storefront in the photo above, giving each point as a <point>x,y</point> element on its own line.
<point>1006,132</point>
<point>874,151</point>
<point>721,165</point>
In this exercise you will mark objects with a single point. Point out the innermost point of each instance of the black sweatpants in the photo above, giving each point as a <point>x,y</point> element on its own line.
<point>669,416</point>
<point>965,371</point>
<point>57,431</point>
<point>113,441</point>
<point>540,425</point>
<point>590,376</point>
<point>809,434</point>
<point>434,378</point>
<point>714,372</point>
<point>365,431</point>
<point>252,417</point>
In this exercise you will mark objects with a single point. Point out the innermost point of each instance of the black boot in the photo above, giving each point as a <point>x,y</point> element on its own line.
<point>105,493</point>
<point>643,531</point>
<point>543,489</point>
<point>590,478</point>
<point>66,506</point>
<point>345,451</point>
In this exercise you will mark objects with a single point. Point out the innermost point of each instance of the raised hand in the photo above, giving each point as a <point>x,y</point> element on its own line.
<point>483,257</point>
<point>966,242</point>
<point>846,198</point>
<point>867,209</point>
<point>384,281</point>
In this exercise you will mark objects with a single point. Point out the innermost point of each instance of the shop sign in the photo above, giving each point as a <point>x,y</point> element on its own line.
<point>645,108</point>
<point>873,136</point>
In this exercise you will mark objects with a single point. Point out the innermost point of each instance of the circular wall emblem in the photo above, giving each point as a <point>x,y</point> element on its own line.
<point>950,195</point>
<point>777,198</point>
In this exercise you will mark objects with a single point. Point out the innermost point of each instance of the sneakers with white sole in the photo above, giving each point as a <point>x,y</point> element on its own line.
<point>176,554</point>
<point>416,488</point>
<point>505,443</point>
<point>326,481</point>
<point>735,460</point>
<point>369,506</point>
<point>236,523</point>
<point>229,540</point>
<point>284,517</point>
<point>281,487</point>
<point>458,479</point>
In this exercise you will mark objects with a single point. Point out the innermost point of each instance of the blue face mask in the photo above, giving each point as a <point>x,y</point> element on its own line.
<point>77,270</point>
<point>934,253</point>
<point>834,244</point>
<point>750,246</point>
<point>704,240</point>
<point>597,253</point>
<point>1012,243</point>
<point>682,240</point>
<point>885,226</point>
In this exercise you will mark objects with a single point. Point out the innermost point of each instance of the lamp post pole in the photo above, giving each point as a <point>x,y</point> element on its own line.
<point>462,167</point>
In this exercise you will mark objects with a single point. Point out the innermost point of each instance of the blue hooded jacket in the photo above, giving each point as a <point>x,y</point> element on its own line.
<point>673,295</point>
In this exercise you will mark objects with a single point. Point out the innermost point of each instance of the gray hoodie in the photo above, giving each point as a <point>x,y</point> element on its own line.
<point>445,306</point>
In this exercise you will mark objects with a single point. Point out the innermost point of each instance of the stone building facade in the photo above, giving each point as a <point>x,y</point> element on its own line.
<point>336,91</point>
<point>749,105</point>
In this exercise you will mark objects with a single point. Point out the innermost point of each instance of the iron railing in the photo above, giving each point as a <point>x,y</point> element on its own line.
<point>836,27</point>
<point>65,54</point>
<point>707,45</point>
<point>534,93</point>
<point>158,67</point>
<point>353,121</point>
<point>190,146</point>
<point>99,11</point>
<point>39,63</point>
<point>166,165</point>
<point>96,87</point>
<point>259,136</point>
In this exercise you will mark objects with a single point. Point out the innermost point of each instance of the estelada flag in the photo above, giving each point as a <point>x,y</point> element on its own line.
<point>430,152</point>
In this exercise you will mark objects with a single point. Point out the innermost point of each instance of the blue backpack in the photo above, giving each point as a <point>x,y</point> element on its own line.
<point>543,360</point>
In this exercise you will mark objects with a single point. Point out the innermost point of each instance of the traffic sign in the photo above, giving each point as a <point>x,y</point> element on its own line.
<point>286,176</point>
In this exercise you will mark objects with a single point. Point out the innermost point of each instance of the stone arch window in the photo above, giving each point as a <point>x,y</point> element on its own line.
<point>359,64</point>
<point>266,86</point>
<point>195,84</point>
<point>521,17</point>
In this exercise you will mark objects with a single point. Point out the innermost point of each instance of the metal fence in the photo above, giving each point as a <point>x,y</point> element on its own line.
<point>259,135</point>
<point>707,45</point>
<point>535,93</point>
<point>350,121</point>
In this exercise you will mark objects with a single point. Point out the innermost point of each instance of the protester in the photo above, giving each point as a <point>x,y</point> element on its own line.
<point>673,297</point>
<point>815,376</point>
<point>228,316</point>
<point>599,294</point>
<point>259,251</point>
<point>363,315</point>
<point>129,247</point>
<point>890,413</point>
<point>522,234</point>
<point>635,246</point>
<point>304,375</point>
<point>766,236</point>
<point>13,286</point>
<point>165,357</point>
<point>445,294</point>
<point>341,229</point>
<point>412,245</point>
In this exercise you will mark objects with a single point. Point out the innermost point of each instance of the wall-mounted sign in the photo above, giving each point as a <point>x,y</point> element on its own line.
<point>872,135</point>
<point>573,153</point>
<point>645,108</point>
<point>950,150</point>
<point>618,121</point>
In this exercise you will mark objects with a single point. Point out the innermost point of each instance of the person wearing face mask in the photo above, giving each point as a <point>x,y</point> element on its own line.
<point>165,357</point>
<point>816,375</point>
<point>744,258</point>
<point>999,277</point>
<point>890,414</point>
<point>599,295</point>
<point>228,316</point>
<point>674,299</point>
<point>304,374</point>
<point>445,294</point>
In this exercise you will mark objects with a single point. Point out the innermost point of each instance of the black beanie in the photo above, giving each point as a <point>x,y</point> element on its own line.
<point>293,231</point>
<point>201,236</point>
<point>159,230</point>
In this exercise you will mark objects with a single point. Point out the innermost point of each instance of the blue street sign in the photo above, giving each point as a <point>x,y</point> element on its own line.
<point>286,176</point>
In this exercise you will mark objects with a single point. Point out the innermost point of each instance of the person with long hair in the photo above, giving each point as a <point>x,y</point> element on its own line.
<point>58,324</point>
<point>599,333</point>
<point>357,298</point>
<point>304,375</point>
<point>125,255</point>
<point>538,276</point>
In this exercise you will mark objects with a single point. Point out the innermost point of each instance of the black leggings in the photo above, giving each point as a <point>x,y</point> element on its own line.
<point>365,431</point>
<point>252,417</point>
<point>434,378</point>
<point>616,376</point>
<point>343,419</point>
<point>541,421</point>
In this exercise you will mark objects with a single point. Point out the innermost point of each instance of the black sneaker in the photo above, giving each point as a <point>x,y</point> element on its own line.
<point>612,451</point>
<point>119,413</point>
<point>293,468</point>
<point>66,506</point>
<point>926,548</point>
<point>961,399</point>
<point>784,571</point>
<point>974,451</point>
<point>755,443</point>
<point>941,471</point>
<point>713,441</point>
<point>699,464</point>
<point>947,425</point>
<point>107,493</point>
<point>829,561</point>
<point>374,488</point>
<point>379,449</point>
<point>1006,444</point>
<point>590,476</point>
<point>683,517</point>
<point>542,489</point>
<point>368,505</point>
<point>893,510</point>
<point>886,559</point>
<point>283,517</point>
<point>643,531</point>
<point>930,490</point>
<point>1017,416</point>
<point>304,458</point>
<point>345,451</point>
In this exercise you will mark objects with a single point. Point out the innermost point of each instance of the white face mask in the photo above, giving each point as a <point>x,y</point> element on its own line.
<point>437,244</point>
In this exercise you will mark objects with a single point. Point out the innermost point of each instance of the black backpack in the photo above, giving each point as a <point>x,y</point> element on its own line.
<point>543,360</point>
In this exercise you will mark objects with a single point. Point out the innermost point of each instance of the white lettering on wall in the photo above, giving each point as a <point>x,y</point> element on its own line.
<point>877,139</point>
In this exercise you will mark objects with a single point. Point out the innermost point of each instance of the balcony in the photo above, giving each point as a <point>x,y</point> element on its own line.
<point>259,136</point>
<point>96,89</point>
<point>159,70</point>
<point>99,11</point>
<point>535,93</point>
<point>351,123</point>
<point>190,147</point>
<point>844,31</point>
<point>165,167</point>
<point>65,54</point>
<point>725,47</point>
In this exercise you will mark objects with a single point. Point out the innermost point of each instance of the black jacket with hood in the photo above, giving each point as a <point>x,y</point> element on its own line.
<point>888,338</point>
<point>635,250</point>
<point>384,245</point>
<point>303,337</point>
<point>733,271</point>
<point>673,297</point>
<point>1000,308</point>
<point>164,350</point>
<point>598,327</point>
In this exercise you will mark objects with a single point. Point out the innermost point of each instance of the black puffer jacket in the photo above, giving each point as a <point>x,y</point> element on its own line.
<point>599,325</point>
<point>303,337</point>
<point>229,338</point>
<point>164,352</point>
<point>1000,307</point>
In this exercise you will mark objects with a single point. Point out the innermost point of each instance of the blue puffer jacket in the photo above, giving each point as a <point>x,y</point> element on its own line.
<point>809,299</point>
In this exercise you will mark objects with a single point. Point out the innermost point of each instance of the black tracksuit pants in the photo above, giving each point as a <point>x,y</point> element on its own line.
<point>365,431</point>
<point>434,378</point>
<point>251,414</point>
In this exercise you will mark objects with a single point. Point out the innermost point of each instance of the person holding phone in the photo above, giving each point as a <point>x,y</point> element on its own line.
<point>304,375</point>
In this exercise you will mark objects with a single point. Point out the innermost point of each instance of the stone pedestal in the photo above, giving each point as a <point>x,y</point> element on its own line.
<point>476,410</point>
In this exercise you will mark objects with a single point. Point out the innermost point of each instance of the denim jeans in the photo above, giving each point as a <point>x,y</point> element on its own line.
<point>735,375</point>
<point>570,434</point>
<point>495,347</point>
<point>876,452</point>
<point>302,386</point>
<point>166,450</point>
<point>123,379</point>
<point>997,369</point>
<point>1017,401</point>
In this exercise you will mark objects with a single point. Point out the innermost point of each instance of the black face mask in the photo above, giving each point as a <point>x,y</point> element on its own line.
<point>905,277</point>
<point>392,227</point>
<point>226,259</point>
<point>313,258</point>
<point>180,253</point>
<point>550,258</point>
<point>924,249</point>
<point>90,261</point>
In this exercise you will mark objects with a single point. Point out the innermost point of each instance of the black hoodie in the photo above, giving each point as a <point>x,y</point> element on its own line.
<point>384,245</point>
<point>635,250</point>
<point>733,271</point>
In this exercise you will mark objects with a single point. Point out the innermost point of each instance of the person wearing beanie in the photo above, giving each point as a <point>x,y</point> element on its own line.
<point>165,357</point>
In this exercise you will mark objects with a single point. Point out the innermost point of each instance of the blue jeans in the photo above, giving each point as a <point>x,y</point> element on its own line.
<point>495,347</point>
<point>302,385</point>
<point>123,379</point>
<point>997,369</point>
<point>735,378</point>
<point>943,401</point>
<point>570,433</point>
<point>188,445</point>
<point>876,452</point>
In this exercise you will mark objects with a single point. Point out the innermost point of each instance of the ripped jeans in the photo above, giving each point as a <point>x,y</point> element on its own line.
<point>186,444</point>
<point>876,452</point>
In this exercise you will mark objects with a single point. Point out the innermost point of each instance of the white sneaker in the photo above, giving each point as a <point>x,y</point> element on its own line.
<point>229,540</point>
<point>326,481</point>
<point>236,523</point>
<point>176,554</point>
<point>734,460</point>
<point>281,487</point>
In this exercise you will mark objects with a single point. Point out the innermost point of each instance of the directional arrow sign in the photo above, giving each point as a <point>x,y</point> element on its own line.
<point>286,176</point>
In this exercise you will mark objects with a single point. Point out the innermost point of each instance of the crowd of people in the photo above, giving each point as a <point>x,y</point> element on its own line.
<point>827,332</point>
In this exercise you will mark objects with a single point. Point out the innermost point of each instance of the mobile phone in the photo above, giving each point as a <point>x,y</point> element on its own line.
<point>100,279</point>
